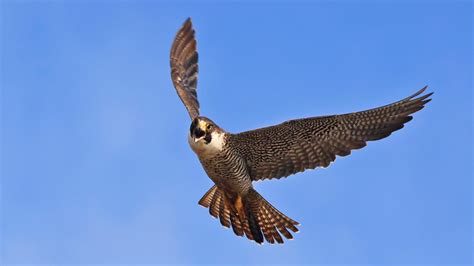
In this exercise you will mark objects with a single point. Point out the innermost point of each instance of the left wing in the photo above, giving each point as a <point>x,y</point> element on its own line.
<point>184,67</point>
<point>296,145</point>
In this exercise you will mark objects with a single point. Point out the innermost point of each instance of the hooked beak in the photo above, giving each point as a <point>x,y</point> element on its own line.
<point>198,134</point>
<point>198,139</point>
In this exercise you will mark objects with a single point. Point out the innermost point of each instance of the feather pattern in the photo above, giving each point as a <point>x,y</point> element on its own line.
<point>296,145</point>
<point>184,67</point>
<point>272,223</point>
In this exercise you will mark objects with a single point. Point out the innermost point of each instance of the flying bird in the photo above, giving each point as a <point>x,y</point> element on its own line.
<point>233,161</point>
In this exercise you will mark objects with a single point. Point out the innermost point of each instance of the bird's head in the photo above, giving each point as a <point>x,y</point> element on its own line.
<point>204,130</point>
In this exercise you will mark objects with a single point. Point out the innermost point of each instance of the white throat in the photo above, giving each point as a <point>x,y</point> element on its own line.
<point>202,149</point>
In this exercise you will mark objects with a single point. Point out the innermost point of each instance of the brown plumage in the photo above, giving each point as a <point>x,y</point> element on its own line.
<point>184,67</point>
<point>296,145</point>
<point>270,221</point>
<point>233,161</point>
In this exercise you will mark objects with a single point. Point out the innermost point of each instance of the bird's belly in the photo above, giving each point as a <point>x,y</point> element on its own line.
<point>228,174</point>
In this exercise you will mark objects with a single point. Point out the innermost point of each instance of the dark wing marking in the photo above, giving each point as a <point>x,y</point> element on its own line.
<point>184,67</point>
<point>296,145</point>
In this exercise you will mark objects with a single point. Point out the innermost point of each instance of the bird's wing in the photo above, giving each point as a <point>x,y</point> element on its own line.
<point>296,145</point>
<point>184,67</point>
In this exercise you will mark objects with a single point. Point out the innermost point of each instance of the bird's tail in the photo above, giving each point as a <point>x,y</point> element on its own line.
<point>251,215</point>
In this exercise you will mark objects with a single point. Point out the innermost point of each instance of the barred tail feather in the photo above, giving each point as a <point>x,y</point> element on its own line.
<point>251,216</point>
<point>205,201</point>
<point>231,215</point>
<point>271,221</point>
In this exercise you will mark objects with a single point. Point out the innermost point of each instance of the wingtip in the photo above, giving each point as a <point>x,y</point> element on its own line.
<point>417,93</point>
<point>188,21</point>
<point>424,89</point>
<point>426,101</point>
<point>421,91</point>
<point>187,25</point>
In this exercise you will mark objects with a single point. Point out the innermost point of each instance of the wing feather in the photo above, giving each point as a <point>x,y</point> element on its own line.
<point>297,145</point>
<point>184,67</point>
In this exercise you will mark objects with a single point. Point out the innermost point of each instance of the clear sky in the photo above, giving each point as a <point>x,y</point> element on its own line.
<point>95,164</point>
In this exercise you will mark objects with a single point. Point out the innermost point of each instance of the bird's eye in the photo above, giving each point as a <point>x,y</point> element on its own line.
<point>209,127</point>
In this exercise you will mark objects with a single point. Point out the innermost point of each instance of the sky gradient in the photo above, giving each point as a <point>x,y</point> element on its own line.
<point>96,168</point>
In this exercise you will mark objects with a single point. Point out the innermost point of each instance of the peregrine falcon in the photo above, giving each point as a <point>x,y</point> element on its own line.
<point>233,161</point>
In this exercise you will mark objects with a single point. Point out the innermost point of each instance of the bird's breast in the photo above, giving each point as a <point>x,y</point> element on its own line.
<point>222,164</point>
<point>228,170</point>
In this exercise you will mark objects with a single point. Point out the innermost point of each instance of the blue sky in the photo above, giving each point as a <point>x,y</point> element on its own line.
<point>95,166</point>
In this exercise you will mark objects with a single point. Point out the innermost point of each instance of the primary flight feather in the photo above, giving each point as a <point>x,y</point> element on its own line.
<point>233,161</point>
